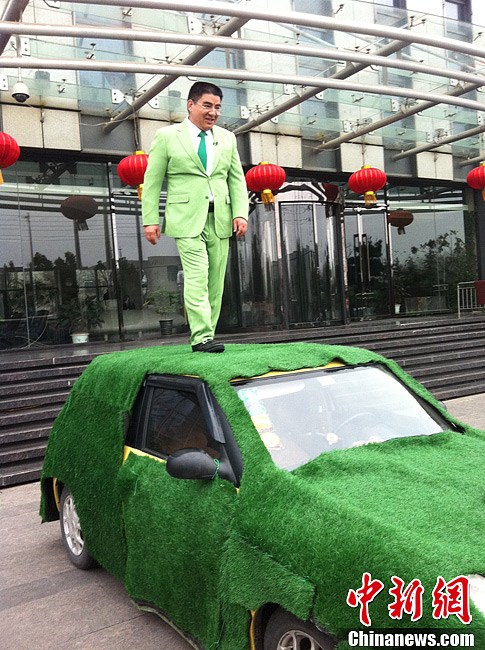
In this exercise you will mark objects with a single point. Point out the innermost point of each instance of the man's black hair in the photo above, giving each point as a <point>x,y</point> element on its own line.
<point>201,88</point>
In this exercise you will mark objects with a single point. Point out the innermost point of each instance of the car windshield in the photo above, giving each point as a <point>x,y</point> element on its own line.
<point>300,415</point>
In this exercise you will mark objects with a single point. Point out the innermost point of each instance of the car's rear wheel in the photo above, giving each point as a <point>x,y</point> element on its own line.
<point>71,532</point>
<point>286,632</point>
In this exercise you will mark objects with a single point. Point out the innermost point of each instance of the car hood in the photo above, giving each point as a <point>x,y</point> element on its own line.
<point>413,508</point>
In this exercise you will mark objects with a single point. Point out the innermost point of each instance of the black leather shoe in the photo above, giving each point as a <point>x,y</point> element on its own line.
<point>208,346</point>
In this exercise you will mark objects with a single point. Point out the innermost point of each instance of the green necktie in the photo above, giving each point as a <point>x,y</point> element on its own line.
<point>202,151</point>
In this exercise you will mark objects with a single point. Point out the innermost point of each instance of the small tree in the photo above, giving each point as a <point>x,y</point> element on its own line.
<point>83,314</point>
<point>164,301</point>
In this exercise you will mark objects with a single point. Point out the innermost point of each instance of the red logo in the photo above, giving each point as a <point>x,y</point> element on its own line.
<point>364,595</point>
<point>452,598</point>
<point>449,598</point>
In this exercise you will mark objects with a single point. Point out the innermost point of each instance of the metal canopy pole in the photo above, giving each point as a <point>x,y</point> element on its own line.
<point>307,94</point>
<point>471,161</point>
<point>13,11</point>
<point>227,29</point>
<point>237,75</point>
<point>298,18</point>
<point>433,145</point>
<point>380,58</point>
<point>405,111</point>
<point>124,34</point>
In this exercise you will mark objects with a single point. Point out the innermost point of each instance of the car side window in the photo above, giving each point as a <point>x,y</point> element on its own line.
<point>176,421</point>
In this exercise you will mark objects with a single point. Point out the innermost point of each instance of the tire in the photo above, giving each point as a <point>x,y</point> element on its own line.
<point>286,632</point>
<point>71,533</point>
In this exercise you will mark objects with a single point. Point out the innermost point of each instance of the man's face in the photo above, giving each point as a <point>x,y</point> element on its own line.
<point>205,112</point>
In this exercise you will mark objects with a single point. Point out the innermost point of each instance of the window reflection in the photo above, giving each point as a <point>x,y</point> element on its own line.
<point>304,414</point>
<point>436,251</point>
<point>259,272</point>
<point>176,422</point>
<point>286,271</point>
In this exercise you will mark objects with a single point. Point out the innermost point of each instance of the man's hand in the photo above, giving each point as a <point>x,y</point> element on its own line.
<point>239,226</point>
<point>152,234</point>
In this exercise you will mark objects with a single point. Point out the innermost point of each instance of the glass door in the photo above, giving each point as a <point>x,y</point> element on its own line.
<point>368,267</point>
<point>313,289</point>
<point>300,263</point>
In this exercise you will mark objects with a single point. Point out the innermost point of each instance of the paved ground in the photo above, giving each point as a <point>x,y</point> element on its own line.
<point>45,603</point>
<point>469,409</point>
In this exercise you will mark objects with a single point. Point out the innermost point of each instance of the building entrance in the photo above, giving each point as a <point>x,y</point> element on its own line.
<point>367,262</point>
<point>313,287</point>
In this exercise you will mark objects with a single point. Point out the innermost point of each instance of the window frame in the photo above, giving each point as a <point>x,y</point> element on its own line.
<point>217,426</point>
<point>463,8</point>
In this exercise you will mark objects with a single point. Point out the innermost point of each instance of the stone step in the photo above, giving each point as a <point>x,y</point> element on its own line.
<point>21,433</point>
<point>28,417</point>
<point>18,473</point>
<point>50,359</point>
<point>423,352</point>
<point>409,338</point>
<point>33,387</point>
<point>455,378</point>
<point>446,367</point>
<point>366,332</point>
<point>24,402</point>
<point>427,347</point>
<point>40,374</point>
<point>415,345</point>
<point>26,451</point>
<point>443,357</point>
<point>452,390</point>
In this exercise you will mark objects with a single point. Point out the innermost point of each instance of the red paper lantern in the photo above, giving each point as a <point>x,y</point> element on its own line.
<point>476,178</point>
<point>265,178</point>
<point>367,181</point>
<point>79,208</point>
<point>400,219</point>
<point>9,152</point>
<point>331,192</point>
<point>131,170</point>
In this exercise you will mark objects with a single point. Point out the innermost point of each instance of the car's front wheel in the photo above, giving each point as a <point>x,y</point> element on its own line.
<point>71,532</point>
<point>286,632</point>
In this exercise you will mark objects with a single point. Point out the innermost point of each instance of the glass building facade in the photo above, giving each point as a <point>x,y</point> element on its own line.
<point>318,257</point>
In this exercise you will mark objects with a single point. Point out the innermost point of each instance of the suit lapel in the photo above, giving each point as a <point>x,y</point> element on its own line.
<point>186,142</point>
<point>218,146</point>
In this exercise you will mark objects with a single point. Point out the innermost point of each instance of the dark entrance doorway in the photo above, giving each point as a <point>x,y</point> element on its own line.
<point>368,265</point>
<point>313,291</point>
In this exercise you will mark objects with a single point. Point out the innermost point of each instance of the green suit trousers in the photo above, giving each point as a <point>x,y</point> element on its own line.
<point>204,261</point>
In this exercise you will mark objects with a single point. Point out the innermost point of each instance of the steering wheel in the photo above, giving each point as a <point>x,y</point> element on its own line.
<point>352,418</point>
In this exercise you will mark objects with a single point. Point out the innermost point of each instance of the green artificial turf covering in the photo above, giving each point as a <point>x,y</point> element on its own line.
<point>414,507</point>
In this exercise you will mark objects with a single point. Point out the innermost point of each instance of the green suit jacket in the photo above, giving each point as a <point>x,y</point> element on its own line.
<point>172,156</point>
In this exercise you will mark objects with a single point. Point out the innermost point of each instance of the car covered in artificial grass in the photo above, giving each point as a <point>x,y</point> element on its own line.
<point>269,498</point>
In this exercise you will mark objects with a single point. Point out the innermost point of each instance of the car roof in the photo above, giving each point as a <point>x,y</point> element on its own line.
<point>116,378</point>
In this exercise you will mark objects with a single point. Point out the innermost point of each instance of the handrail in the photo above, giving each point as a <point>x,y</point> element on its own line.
<point>466,297</point>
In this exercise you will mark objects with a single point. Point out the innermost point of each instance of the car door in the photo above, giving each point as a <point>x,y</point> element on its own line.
<point>175,529</point>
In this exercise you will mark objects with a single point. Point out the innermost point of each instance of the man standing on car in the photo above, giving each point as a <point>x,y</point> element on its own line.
<point>207,200</point>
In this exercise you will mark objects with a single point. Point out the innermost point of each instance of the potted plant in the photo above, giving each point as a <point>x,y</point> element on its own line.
<point>165,303</point>
<point>82,315</point>
<point>400,288</point>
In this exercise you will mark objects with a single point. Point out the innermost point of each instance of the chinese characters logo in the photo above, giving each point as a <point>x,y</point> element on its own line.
<point>448,598</point>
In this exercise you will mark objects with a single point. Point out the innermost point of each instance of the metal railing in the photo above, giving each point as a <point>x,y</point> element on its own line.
<point>467,297</point>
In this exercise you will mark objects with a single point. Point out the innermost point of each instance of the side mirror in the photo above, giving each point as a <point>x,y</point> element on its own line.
<point>191,464</point>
